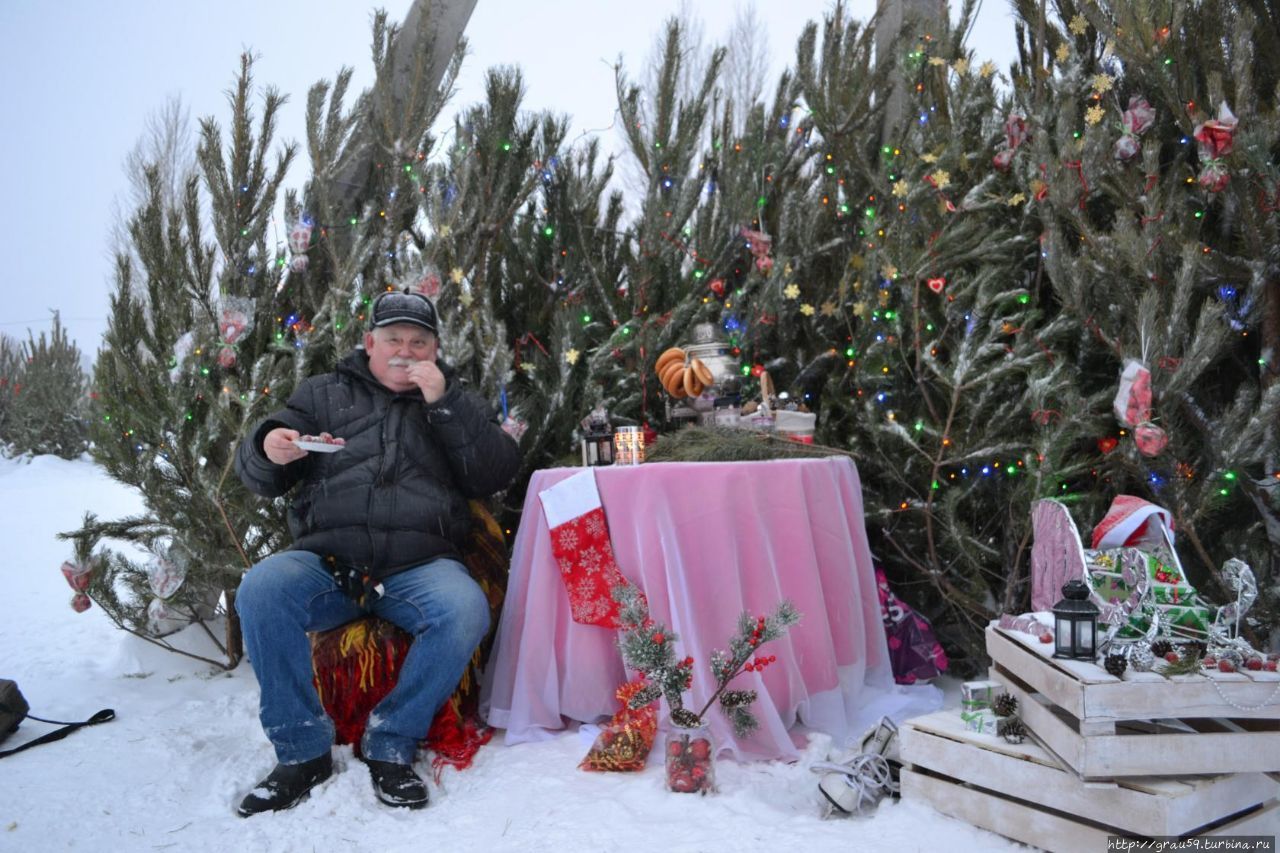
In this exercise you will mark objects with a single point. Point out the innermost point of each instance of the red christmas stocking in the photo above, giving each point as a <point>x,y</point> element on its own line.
<point>580,543</point>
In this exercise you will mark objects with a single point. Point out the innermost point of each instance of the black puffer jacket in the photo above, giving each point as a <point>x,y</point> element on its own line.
<point>396,495</point>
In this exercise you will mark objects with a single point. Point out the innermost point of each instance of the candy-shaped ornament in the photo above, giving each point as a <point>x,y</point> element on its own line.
<point>78,577</point>
<point>1150,439</point>
<point>1132,404</point>
<point>299,243</point>
<point>1215,139</point>
<point>235,320</point>
<point>1135,121</point>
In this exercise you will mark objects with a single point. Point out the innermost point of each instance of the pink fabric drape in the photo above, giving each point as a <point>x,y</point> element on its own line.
<point>704,542</point>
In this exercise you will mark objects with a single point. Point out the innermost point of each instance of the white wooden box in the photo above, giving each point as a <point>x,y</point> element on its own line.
<point>1142,724</point>
<point>1022,792</point>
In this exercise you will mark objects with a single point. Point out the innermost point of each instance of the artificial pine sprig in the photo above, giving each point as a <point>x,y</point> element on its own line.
<point>649,648</point>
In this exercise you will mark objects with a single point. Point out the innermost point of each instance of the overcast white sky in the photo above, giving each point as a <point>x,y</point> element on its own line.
<point>81,77</point>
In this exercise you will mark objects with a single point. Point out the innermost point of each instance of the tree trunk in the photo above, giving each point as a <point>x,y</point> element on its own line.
<point>921,17</point>
<point>431,25</point>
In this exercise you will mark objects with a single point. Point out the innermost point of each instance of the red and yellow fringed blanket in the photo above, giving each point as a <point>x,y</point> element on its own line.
<point>357,664</point>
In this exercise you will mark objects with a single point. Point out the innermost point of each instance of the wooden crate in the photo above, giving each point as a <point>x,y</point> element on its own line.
<point>1142,724</point>
<point>1024,793</point>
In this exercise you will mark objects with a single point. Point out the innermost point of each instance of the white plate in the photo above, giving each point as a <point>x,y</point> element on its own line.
<point>318,446</point>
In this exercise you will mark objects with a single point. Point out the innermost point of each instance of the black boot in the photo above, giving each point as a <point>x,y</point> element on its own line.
<point>286,786</point>
<point>397,784</point>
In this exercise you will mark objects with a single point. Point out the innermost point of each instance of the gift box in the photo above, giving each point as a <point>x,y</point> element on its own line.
<point>981,721</point>
<point>1118,575</point>
<point>976,695</point>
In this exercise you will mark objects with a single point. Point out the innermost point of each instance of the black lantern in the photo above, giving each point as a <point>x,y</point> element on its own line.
<point>1075,623</point>
<point>597,443</point>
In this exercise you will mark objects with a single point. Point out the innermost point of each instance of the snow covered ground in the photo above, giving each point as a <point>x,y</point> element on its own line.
<point>186,746</point>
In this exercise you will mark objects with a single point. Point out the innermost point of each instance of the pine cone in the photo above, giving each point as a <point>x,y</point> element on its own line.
<point>1160,648</point>
<point>1012,730</point>
<point>1005,705</point>
<point>1116,664</point>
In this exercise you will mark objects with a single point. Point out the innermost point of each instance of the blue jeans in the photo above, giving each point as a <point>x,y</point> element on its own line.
<point>290,593</point>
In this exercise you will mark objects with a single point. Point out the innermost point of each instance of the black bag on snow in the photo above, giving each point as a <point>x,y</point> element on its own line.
<point>14,709</point>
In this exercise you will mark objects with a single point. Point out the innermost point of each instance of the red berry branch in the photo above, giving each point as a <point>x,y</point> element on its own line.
<point>649,649</point>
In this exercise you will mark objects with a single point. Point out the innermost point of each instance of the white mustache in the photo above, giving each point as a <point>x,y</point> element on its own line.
<point>396,361</point>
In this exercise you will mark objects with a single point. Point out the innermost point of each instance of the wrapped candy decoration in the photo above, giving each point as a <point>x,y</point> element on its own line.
<point>1015,130</point>
<point>1133,399</point>
<point>78,577</point>
<point>1215,139</point>
<point>165,575</point>
<point>1214,177</point>
<point>429,282</point>
<point>760,245</point>
<point>1151,440</point>
<point>235,320</point>
<point>299,243</point>
<point>1135,121</point>
<point>163,619</point>
<point>1015,133</point>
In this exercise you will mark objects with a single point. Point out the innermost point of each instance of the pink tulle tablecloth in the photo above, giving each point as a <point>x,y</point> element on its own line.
<point>706,541</point>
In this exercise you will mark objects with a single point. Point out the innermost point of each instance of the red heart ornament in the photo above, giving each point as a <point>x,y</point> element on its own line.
<point>1108,444</point>
<point>936,284</point>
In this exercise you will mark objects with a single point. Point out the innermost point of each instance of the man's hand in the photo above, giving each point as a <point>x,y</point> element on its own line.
<point>428,378</point>
<point>280,448</point>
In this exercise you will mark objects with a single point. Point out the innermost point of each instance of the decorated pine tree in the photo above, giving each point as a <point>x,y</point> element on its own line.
<point>214,321</point>
<point>1152,165</point>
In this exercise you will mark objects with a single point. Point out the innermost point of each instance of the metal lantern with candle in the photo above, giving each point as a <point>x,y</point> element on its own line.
<point>1075,623</point>
<point>597,439</point>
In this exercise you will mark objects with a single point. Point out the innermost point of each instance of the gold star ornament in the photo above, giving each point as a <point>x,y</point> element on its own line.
<point>987,69</point>
<point>572,356</point>
<point>901,189</point>
<point>807,310</point>
<point>828,309</point>
<point>455,275</point>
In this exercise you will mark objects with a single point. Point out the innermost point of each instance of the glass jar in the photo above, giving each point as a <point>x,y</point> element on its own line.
<point>628,445</point>
<point>690,759</point>
<point>727,412</point>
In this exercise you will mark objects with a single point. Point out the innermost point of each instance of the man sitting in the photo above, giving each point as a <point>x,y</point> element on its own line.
<point>377,526</point>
